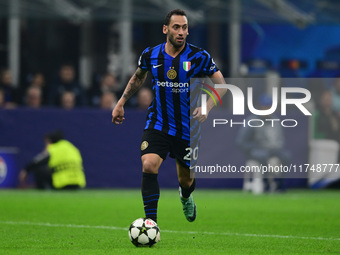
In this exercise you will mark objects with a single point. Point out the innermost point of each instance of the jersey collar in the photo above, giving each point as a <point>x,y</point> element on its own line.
<point>183,50</point>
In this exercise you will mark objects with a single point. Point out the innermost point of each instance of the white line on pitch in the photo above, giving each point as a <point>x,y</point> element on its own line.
<point>46,224</point>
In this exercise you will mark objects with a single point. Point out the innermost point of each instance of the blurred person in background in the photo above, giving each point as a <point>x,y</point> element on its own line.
<point>144,98</point>
<point>33,97</point>
<point>6,84</point>
<point>263,145</point>
<point>326,119</point>
<point>66,81</point>
<point>59,166</point>
<point>108,100</point>
<point>68,100</point>
<point>38,80</point>
<point>3,103</point>
<point>108,83</point>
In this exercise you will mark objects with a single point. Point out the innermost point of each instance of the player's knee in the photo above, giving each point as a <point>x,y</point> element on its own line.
<point>150,167</point>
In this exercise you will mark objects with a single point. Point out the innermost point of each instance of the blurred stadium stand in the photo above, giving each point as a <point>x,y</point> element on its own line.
<point>97,35</point>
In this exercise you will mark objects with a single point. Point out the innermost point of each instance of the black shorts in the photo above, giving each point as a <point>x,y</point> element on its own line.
<point>160,143</point>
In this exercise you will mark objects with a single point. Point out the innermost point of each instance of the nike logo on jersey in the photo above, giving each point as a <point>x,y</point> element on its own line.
<point>157,65</point>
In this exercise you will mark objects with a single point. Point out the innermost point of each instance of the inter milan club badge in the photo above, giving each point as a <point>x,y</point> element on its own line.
<point>144,145</point>
<point>171,73</point>
<point>186,65</point>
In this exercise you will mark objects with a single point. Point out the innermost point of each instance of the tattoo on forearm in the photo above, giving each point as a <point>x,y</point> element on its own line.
<point>134,84</point>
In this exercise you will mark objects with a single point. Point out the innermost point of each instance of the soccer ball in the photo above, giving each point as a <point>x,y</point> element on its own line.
<point>144,232</point>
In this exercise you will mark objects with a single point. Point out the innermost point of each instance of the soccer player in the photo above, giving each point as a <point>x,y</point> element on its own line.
<point>167,129</point>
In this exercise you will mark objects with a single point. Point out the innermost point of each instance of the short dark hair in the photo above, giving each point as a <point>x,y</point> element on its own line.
<point>55,136</point>
<point>173,12</point>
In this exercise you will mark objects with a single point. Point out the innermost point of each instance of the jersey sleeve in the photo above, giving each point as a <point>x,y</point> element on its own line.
<point>142,62</point>
<point>209,66</point>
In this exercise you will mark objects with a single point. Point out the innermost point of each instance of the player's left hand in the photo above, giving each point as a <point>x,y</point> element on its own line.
<point>199,116</point>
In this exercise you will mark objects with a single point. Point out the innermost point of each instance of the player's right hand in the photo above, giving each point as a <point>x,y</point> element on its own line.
<point>118,115</point>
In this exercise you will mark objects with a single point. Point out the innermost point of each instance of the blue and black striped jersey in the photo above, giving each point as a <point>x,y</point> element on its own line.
<point>170,108</point>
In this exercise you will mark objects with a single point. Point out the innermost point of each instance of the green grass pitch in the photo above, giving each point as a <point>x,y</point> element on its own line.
<point>228,222</point>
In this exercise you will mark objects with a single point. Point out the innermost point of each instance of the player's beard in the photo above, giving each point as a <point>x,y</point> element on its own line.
<point>172,40</point>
